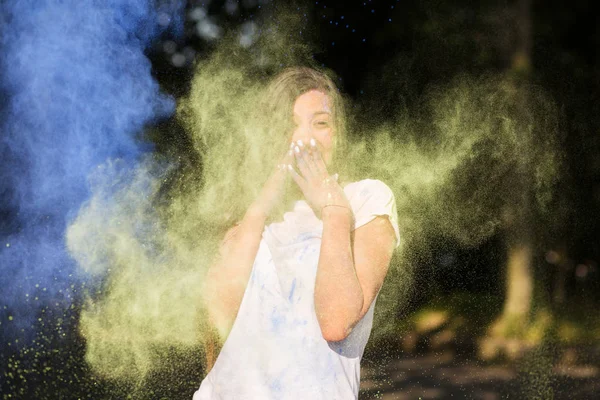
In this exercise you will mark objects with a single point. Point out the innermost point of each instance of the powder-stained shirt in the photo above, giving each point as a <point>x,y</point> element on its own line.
<point>275,350</point>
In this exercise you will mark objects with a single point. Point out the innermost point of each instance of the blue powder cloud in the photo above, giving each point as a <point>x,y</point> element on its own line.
<point>75,90</point>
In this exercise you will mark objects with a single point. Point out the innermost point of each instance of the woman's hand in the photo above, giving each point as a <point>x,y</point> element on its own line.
<point>319,189</point>
<point>272,191</point>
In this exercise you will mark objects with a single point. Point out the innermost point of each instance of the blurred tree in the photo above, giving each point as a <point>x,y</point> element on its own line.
<point>506,182</point>
<point>519,236</point>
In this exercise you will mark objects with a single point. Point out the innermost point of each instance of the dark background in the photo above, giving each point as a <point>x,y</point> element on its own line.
<point>387,54</point>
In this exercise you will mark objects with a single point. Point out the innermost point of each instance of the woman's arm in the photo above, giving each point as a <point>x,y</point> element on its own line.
<point>227,278</point>
<point>351,267</point>
<point>351,270</point>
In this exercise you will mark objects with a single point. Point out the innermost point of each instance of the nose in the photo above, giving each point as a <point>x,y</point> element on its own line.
<point>302,133</point>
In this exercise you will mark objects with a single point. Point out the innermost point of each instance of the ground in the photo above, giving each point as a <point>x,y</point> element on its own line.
<point>444,376</point>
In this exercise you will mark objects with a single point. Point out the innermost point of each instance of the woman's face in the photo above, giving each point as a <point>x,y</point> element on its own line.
<point>313,119</point>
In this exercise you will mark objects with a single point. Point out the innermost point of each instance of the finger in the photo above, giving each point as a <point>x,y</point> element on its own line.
<point>296,177</point>
<point>310,162</point>
<point>281,170</point>
<point>301,162</point>
<point>313,145</point>
<point>301,145</point>
<point>306,155</point>
<point>288,158</point>
<point>319,164</point>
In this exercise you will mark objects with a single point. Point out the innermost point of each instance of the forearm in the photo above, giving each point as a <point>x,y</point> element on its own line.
<point>228,276</point>
<point>338,294</point>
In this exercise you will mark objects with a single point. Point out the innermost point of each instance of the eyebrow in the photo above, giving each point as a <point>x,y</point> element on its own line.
<point>314,114</point>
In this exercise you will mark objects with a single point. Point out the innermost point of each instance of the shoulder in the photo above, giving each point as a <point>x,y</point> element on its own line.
<point>368,188</point>
<point>371,198</point>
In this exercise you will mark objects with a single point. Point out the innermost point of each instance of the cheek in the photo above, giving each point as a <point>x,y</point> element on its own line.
<point>325,137</point>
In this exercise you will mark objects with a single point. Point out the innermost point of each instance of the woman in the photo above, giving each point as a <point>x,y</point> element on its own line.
<point>293,299</point>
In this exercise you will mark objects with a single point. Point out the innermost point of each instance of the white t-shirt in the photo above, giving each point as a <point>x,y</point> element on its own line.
<point>275,350</point>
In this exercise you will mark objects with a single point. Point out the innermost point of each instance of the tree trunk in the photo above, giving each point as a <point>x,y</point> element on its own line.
<point>519,282</point>
<point>507,334</point>
<point>519,269</point>
<point>519,279</point>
